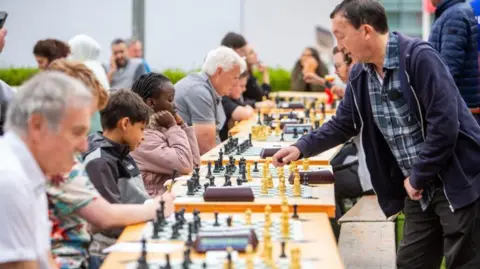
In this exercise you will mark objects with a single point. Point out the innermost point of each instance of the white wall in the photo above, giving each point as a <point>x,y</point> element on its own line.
<point>179,33</point>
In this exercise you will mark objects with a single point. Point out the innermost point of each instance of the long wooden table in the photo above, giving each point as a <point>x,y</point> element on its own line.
<point>319,247</point>
<point>324,198</point>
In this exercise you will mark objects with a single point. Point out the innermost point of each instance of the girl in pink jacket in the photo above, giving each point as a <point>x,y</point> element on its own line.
<point>169,144</point>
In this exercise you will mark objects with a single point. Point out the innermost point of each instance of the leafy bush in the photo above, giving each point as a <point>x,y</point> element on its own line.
<point>279,77</point>
<point>16,76</point>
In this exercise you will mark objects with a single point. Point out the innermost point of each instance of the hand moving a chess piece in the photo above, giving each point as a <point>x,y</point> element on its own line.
<point>162,119</point>
<point>285,156</point>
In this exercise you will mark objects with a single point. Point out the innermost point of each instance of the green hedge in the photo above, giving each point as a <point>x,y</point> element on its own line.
<point>279,77</point>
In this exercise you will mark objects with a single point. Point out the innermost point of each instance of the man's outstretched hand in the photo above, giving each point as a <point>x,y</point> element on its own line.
<point>285,156</point>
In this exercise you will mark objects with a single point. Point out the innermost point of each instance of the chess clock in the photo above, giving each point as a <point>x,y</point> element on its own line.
<point>221,239</point>
<point>322,176</point>
<point>269,152</point>
<point>290,128</point>
<point>228,194</point>
<point>292,105</point>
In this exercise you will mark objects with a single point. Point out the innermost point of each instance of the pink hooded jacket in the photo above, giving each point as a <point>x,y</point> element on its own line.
<point>163,151</point>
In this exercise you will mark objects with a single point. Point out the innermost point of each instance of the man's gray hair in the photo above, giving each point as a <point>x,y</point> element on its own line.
<point>223,57</point>
<point>49,94</point>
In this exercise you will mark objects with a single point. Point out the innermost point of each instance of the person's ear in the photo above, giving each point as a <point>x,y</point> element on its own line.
<point>150,103</point>
<point>124,123</point>
<point>37,126</point>
<point>367,31</point>
<point>219,71</point>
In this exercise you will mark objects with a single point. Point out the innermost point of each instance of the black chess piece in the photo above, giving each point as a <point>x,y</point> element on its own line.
<point>190,187</point>
<point>305,179</point>
<point>189,241</point>
<point>239,181</point>
<point>196,216</point>
<point>283,255</point>
<point>167,262</point>
<point>317,124</point>
<point>281,138</point>
<point>255,167</point>
<point>229,221</point>
<point>259,121</point>
<point>216,223</point>
<point>295,133</point>
<point>212,181</point>
<point>160,220</point>
<point>239,151</point>
<point>209,171</point>
<point>250,139</point>
<point>186,258</point>
<point>142,260</point>
<point>227,181</point>
<point>175,233</point>
<point>295,212</point>
<point>244,175</point>
<point>205,186</point>
<point>216,168</point>
<point>305,131</point>
<point>323,109</point>
<point>161,217</point>
<point>204,265</point>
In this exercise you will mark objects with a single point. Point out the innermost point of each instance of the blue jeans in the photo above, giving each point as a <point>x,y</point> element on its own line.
<point>94,262</point>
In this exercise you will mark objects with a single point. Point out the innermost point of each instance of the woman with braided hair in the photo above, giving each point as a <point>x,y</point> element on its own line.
<point>169,144</point>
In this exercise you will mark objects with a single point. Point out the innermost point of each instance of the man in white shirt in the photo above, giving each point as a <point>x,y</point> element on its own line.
<point>47,122</point>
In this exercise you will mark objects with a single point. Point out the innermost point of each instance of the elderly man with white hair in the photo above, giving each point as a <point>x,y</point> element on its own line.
<point>47,122</point>
<point>198,96</point>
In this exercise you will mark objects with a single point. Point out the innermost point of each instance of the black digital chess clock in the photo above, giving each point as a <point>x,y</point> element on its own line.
<point>292,105</point>
<point>220,239</point>
<point>297,128</point>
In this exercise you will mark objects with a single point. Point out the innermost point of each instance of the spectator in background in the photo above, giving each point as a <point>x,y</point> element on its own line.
<point>6,93</point>
<point>235,108</point>
<point>123,70</point>
<point>86,50</point>
<point>135,50</point>
<point>199,96</point>
<point>47,122</point>
<point>81,72</point>
<point>254,92</point>
<point>309,63</point>
<point>455,36</point>
<point>48,50</point>
<point>342,63</point>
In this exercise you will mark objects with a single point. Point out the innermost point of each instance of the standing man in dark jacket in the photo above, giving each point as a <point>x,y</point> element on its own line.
<point>455,36</point>
<point>422,144</point>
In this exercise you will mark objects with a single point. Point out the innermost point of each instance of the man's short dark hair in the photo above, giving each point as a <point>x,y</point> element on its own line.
<point>124,103</point>
<point>234,41</point>
<point>359,12</point>
<point>117,41</point>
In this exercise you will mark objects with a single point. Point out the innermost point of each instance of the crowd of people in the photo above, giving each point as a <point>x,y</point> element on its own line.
<point>89,148</point>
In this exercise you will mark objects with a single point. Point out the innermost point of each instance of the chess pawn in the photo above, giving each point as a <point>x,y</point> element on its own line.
<point>249,257</point>
<point>264,189</point>
<point>270,181</point>
<point>285,202</point>
<point>268,255</point>
<point>305,164</point>
<point>248,217</point>
<point>297,191</point>
<point>285,224</point>
<point>249,172</point>
<point>267,238</point>
<point>265,170</point>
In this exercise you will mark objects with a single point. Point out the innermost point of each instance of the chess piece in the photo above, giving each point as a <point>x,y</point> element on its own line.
<point>229,262</point>
<point>189,241</point>
<point>259,122</point>
<point>281,137</point>
<point>269,253</point>
<point>209,171</point>
<point>277,127</point>
<point>283,246</point>
<point>167,262</point>
<point>264,188</point>
<point>216,224</point>
<point>295,133</point>
<point>196,217</point>
<point>291,167</point>
<point>190,187</point>
<point>244,176</point>
<point>249,257</point>
<point>268,218</point>
<point>270,181</point>
<point>249,172</point>
<point>250,140</point>
<point>205,186</point>
<point>239,181</point>
<point>161,217</point>
<point>295,212</point>
<point>255,167</point>
<point>305,131</point>
<point>186,258</point>
<point>285,224</point>
<point>248,217</point>
<point>317,124</point>
<point>297,190</point>
<point>305,179</point>
<point>227,181</point>
<point>229,221</point>
<point>295,258</point>
<point>212,181</point>
<point>216,168</point>
<point>142,261</point>
<point>305,164</point>
<point>175,233</point>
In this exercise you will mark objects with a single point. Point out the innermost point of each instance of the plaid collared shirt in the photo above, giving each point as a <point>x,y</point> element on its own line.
<point>393,116</point>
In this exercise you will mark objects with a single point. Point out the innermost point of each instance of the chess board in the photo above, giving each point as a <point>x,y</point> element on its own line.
<point>281,263</point>
<point>238,222</point>
<point>258,174</point>
<point>252,151</point>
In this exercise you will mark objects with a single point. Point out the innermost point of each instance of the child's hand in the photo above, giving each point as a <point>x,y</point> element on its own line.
<point>163,119</point>
<point>179,120</point>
